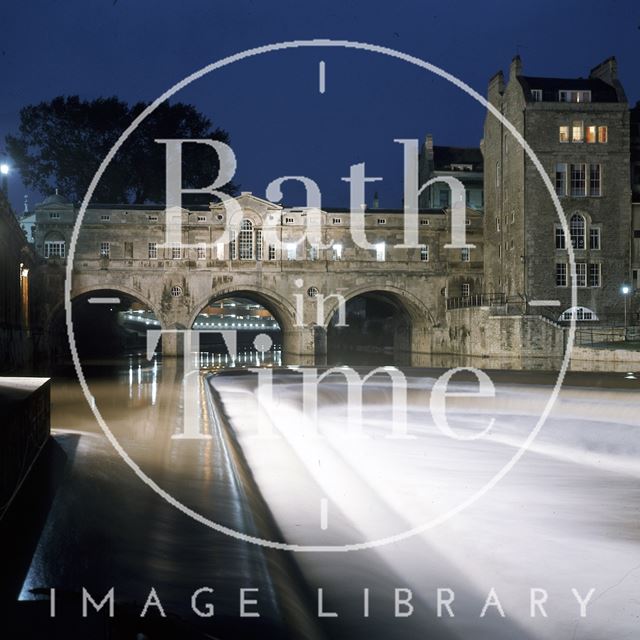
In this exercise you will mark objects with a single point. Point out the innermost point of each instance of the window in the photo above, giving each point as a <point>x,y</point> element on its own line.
<point>595,271</point>
<point>443,198</point>
<point>105,249</point>
<point>202,218</point>
<point>594,238</point>
<point>424,253</point>
<point>578,180</point>
<point>603,135</point>
<point>259,244</point>
<point>564,134</point>
<point>594,180</point>
<point>561,242</point>
<point>336,220</point>
<point>465,255</point>
<point>577,132</point>
<point>54,249</point>
<point>337,251</point>
<point>424,221</point>
<point>105,217</point>
<point>380,251</point>
<point>291,250</point>
<point>176,292</point>
<point>591,134</point>
<point>153,250</point>
<point>536,95</point>
<point>466,289</point>
<point>272,252</point>
<point>561,179</point>
<point>561,274</point>
<point>176,251</point>
<point>497,174</point>
<point>220,250</point>
<point>382,221</point>
<point>245,240</point>
<point>289,220</point>
<point>201,251</point>
<point>581,274</point>
<point>233,250</point>
<point>54,215</point>
<point>313,292</point>
<point>577,231</point>
<point>577,313</point>
<point>498,223</point>
<point>152,218</point>
<point>313,252</point>
<point>574,96</point>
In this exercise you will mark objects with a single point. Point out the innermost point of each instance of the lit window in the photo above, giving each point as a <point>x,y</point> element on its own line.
<point>105,249</point>
<point>564,134</point>
<point>466,289</point>
<point>54,249</point>
<point>220,250</point>
<point>380,251</point>
<point>578,180</point>
<point>153,250</point>
<point>337,251</point>
<point>577,231</point>
<point>561,242</point>
<point>424,253</point>
<point>591,135</point>
<point>594,180</point>
<point>201,251</point>
<point>561,179</point>
<point>536,95</point>
<point>581,274</point>
<point>595,271</point>
<point>176,251</point>
<point>291,250</point>
<point>561,274</point>
<point>594,238</point>
<point>245,240</point>
<point>577,132</point>
<point>603,136</point>
<point>465,254</point>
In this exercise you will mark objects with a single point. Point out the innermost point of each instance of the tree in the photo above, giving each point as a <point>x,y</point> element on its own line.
<point>61,143</point>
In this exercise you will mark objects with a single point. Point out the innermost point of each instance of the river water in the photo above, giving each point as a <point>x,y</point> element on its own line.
<point>566,516</point>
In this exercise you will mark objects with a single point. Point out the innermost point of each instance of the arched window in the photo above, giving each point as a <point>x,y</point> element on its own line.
<point>245,240</point>
<point>577,230</point>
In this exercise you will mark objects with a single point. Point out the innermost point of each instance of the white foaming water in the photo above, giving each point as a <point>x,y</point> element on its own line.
<point>565,517</point>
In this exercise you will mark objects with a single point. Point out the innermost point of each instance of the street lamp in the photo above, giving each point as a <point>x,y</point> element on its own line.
<point>625,292</point>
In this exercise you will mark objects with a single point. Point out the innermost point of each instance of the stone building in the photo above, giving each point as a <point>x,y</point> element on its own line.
<point>579,129</point>
<point>635,194</point>
<point>463,163</point>
<point>16,266</point>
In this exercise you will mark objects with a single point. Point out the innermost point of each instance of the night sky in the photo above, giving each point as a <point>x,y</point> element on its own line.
<point>279,122</point>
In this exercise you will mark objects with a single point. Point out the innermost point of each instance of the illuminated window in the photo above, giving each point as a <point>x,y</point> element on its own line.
<point>380,251</point>
<point>561,179</point>
<point>578,180</point>
<point>424,253</point>
<point>594,238</point>
<point>105,249</point>
<point>603,135</point>
<point>591,135</point>
<point>153,250</point>
<point>577,132</point>
<point>220,250</point>
<point>337,251</point>
<point>577,231</point>
<point>291,250</point>
<point>564,134</point>
<point>561,274</point>
<point>594,180</point>
<point>245,240</point>
<point>201,250</point>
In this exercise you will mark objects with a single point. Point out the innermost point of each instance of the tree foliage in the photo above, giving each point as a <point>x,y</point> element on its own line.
<point>61,143</point>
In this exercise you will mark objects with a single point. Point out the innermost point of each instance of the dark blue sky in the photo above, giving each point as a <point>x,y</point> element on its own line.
<point>278,121</point>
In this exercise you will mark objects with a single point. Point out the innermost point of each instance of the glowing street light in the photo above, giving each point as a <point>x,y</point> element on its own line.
<point>625,292</point>
<point>4,169</point>
<point>4,173</point>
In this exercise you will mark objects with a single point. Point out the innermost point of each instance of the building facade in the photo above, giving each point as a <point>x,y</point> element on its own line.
<point>579,130</point>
